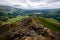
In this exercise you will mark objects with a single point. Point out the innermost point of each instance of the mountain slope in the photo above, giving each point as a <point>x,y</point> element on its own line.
<point>30,29</point>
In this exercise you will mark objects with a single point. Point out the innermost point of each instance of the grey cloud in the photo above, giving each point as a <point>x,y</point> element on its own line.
<point>35,0</point>
<point>3,2</point>
<point>53,1</point>
<point>23,1</point>
<point>25,4</point>
<point>48,1</point>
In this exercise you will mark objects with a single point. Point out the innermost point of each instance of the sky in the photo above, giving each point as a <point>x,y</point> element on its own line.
<point>32,4</point>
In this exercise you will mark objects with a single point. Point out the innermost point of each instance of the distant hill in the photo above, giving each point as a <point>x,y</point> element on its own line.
<point>13,12</point>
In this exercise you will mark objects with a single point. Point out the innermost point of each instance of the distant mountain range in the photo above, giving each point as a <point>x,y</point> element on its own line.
<point>13,12</point>
<point>10,9</point>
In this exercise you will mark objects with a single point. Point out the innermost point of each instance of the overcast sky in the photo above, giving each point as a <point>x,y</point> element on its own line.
<point>32,4</point>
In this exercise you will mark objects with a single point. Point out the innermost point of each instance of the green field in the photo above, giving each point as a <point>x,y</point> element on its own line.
<point>13,20</point>
<point>11,23</point>
<point>48,22</point>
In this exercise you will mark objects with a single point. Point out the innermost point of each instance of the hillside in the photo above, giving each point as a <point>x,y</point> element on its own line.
<point>31,29</point>
<point>19,24</point>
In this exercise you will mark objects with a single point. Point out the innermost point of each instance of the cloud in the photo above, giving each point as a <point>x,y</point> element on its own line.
<point>34,0</point>
<point>31,4</point>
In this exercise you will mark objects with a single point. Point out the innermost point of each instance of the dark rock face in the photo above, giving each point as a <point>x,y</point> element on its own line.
<point>26,31</point>
<point>56,36</point>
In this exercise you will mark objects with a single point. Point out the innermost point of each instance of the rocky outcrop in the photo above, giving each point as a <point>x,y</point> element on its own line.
<point>29,30</point>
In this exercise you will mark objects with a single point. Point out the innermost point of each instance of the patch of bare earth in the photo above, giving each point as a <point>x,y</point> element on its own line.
<point>30,29</point>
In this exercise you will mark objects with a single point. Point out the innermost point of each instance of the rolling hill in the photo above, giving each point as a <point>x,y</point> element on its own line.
<point>19,24</point>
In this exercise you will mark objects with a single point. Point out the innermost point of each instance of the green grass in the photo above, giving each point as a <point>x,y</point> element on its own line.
<point>49,23</point>
<point>13,20</point>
